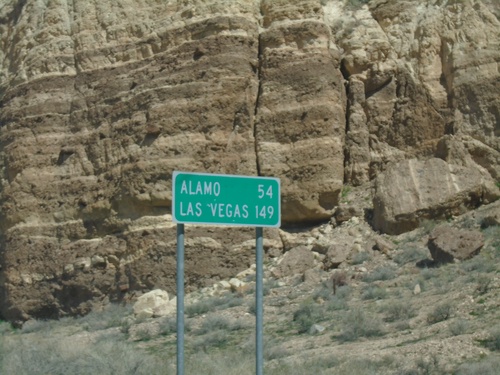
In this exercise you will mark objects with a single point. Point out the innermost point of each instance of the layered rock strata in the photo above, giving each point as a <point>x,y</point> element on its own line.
<point>101,100</point>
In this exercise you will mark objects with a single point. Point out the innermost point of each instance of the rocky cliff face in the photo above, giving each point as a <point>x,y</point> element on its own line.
<point>101,100</point>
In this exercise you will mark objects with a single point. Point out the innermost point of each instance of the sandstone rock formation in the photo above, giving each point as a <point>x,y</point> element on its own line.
<point>153,304</point>
<point>101,101</point>
<point>411,191</point>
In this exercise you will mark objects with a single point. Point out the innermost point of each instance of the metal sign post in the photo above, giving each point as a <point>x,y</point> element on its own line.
<point>259,302</point>
<point>180,299</point>
<point>202,198</point>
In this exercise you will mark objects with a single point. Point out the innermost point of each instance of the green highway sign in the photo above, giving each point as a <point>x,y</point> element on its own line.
<point>221,199</point>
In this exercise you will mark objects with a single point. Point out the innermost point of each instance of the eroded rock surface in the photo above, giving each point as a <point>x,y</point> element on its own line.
<point>101,100</point>
<point>411,191</point>
<point>447,244</point>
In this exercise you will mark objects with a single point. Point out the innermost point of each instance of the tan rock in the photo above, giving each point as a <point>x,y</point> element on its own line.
<point>300,121</point>
<point>447,244</point>
<point>413,190</point>
<point>152,303</point>
<point>296,261</point>
<point>101,101</point>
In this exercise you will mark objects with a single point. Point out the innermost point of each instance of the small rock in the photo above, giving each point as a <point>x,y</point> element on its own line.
<point>383,245</point>
<point>316,328</point>
<point>69,269</point>
<point>295,261</point>
<point>312,276</point>
<point>417,289</point>
<point>98,261</point>
<point>235,284</point>
<point>224,285</point>
<point>82,264</point>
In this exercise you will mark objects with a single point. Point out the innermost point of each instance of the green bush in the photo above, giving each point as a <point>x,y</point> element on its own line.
<point>493,341</point>
<point>440,312</point>
<point>214,339</point>
<point>478,264</point>
<point>39,356</point>
<point>111,316</point>
<point>483,284</point>
<point>360,258</point>
<point>212,304</point>
<point>354,4</point>
<point>396,311</point>
<point>216,322</point>
<point>308,314</point>
<point>374,292</point>
<point>458,327</point>
<point>487,366</point>
<point>410,254</point>
<point>356,324</point>
<point>380,273</point>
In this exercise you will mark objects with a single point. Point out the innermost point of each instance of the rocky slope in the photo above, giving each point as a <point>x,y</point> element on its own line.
<point>101,100</point>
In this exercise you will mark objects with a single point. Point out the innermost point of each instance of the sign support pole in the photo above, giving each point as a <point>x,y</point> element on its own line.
<point>180,299</point>
<point>259,296</point>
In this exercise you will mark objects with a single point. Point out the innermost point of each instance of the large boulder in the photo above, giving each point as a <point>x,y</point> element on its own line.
<point>294,262</point>
<point>412,190</point>
<point>153,304</point>
<point>447,244</point>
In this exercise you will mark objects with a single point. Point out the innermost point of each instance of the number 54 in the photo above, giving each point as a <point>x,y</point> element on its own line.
<point>262,192</point>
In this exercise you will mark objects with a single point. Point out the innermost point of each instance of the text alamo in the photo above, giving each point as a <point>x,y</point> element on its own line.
<point>199,188</point>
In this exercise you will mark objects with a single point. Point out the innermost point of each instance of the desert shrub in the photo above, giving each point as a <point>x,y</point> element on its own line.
<point>325,292</point>
<point>32,326</point>
<point>380,273</point>
<point>354,4</point>
<point>487,366</point>
<point>423,366</point>
<point>478,264</point>
<point>144,333</point>
<point>360,258</point>
<point>374,292</point>
<point>306,365</point>
<point>483,284</point>
<point>458,327</point>
<point>216,322</point>
<point>232,362</point>
<point>211,304</point>
<point>275,352</point>
<point>440,312</point>
<point>268,285</point>
<point>252,308</point>
<point>112,315</point>
<point>429,273</point>
<point>212,323</point>
<point>357,324</point>
<point>5,327</point>
<point>493,341</point>
<point>214,339</point>
<point>168,325</point>
<point>43,356</point>
<point>396,311</point>
<point>201,307</point>
<point>308,314</point>
<point>337,303</point>
<point>410,254</point>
